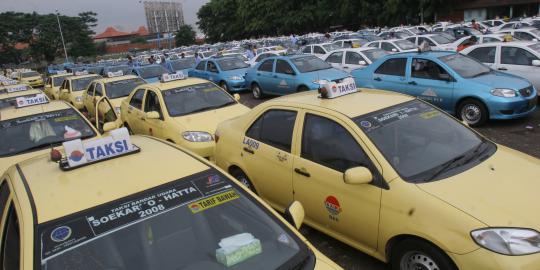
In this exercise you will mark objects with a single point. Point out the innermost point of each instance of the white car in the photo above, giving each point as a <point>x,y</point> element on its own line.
<point>321,49</point>
<point>529,33</point>
<point>436,41</point>
<point>521,58</point>
<point>510,25</point>
<point>393,45</point>
<point>353,58</point>
<point>493,23</point>
<point>349,43</point>
<point>261,56</point>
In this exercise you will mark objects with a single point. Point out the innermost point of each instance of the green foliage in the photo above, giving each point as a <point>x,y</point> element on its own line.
<point>223,20</point>
<point>185,36</point>
<point>138,40</point>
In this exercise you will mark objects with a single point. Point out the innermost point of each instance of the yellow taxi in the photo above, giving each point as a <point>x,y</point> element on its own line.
<point>73,88</point>
<point>33,125</point>
<point>30,77</point>
<point>53,83</point>
<point>116,87</point>
<point>8,98</point>
<point>182,110</point>
<point>390,175</point>
<point>98,206</point>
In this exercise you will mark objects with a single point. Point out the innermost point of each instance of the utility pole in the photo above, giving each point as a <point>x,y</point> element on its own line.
<point>61,36</point>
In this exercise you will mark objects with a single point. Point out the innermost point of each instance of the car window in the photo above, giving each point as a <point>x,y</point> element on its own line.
<point>82,83</point>
<point>267,65</point>
<point>275,128</point>
<point>394,66</point>
<point>490,39</point>
<point>10,253</point>
<point>307,49</point>
<point>387,46</point>
<point>508,26</point>
<point>98,90</point>
<point>484,54</point>
<point>136,99</point>
<point>67,85</point>
<point>90,90</point>
<point>426,69</point>
<point>496,23</point>
<point>318,50</point>
<point>374,45</point>
<point>151,103</point>
<point>353,58</point>
<point>122,88</point>
<point>329,144</point>
<point>211,67</point>
<point>283,67</point>
<point>412,39</point>
<point>335,58</point>
<point>516,56</point>
<point>231,64</point>
<point>431,43</point>
<point>200,66</point>
<point>524,36</point>
<point>263,56</point>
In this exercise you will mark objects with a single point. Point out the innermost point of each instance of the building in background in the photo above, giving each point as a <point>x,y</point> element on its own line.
<point>466,10</point>
<point>163,16</point>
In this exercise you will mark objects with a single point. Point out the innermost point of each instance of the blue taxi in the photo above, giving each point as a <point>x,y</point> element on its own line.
<point>227,72</point>
<point>281,75</point>
<point>454,82</point>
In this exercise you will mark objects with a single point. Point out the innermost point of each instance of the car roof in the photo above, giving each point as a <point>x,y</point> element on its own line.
<point>12,112</point>
<point>177,83</point>
<point>363,102</point>
<point>115,79</point>
<point>71,78</point>
<point>20,93</point>
<point>61,75</point>
<point>512,43</point>
<point>58,193</point>
<point>428,53</point>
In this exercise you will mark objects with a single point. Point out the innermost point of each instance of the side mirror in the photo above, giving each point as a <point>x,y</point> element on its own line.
<point>536,63</point>
<point>357,176</point>
<point>362,63</point>
<point>152,115</point>
<point>236,97</point>
<point>535,40</point>
<point>109,126</point>
<point>295,214</point>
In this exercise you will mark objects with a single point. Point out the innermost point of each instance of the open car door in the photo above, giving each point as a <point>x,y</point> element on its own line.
<point>105,117</point>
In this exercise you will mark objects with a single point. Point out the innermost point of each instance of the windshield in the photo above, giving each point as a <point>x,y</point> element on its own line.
<point>441,39</point>
<point>309,64</point>
<point>82,83</point>
<point>331,47</point>
<point>57,81</point>
<point>238,56</point>
<point>181,64</point>
<point>415,31</point>
<point>152,71</point>
<point>29,74</point>
<point>195,98</point>
<point>535,47</point>
<point>405,44</point>
<point>465,66</point>
<point>40,131</point>
<point>121,88</point>
<point>202,221</point>
<point>231,63</point>
<point>375,54</point>
<point>416,138</point>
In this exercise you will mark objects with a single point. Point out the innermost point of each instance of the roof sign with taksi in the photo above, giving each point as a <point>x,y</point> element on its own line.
<point>173,77</point>
<point>16,88</point>
<point>60,72</point>
<point>9,82</point>
<point>115,74</point>
<point>333,89</point>
<point>79,73</point>
<point>30,101</point>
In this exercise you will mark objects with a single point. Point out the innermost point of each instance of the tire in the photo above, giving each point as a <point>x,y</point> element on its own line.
<point>242,178</point>
<point>302,89</point>
<point>412,254</point>
<point>224,86</point>
<point>473,112</point>
<point>256,91</point>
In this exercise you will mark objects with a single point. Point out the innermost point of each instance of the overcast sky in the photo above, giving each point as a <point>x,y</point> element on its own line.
<point>125,15</point>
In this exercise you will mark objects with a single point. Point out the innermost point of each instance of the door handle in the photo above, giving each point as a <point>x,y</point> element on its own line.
<point>412,83</point>
<point>249,150</point>
<point>502,68</point>
<point>377,79</point>
<point>302,172</point>
<point>143,119</point>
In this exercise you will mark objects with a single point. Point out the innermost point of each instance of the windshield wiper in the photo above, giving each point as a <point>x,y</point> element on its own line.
<point>444,167</point>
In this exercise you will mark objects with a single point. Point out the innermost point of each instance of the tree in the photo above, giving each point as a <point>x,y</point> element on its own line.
<point>185,36</point>
<point>138,40</point>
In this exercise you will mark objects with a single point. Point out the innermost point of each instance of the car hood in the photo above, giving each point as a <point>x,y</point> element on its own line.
<point>209,120</point>
<point>327,74</point>
<point>235,72</point>
<point>501,191</point>
<point>497,79</point>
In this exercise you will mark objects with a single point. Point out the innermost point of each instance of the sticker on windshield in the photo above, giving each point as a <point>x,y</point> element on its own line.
<point>387,117</point>
<point>210,202</point>
<point>429,115</point>
<point>61,234</point>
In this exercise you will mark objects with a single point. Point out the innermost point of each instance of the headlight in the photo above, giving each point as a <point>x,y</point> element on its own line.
<point>117,110</point>
<point>503,92</point>
<point>235,78</point>
<point>320,82</point>
<point>508,241</point>
<point>197,136</point>
<point>78,99</point>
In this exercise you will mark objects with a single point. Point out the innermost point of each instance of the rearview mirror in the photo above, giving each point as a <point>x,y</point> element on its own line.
<point>536,63</point>
<point>109,126</point>
<point>236,97</point>
<point>362,63</point>
<point>357,176</point>
<point>295,214</point>
<point>152,115</point>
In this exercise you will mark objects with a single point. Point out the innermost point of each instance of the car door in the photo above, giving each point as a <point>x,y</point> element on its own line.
<point>431,82</point>
<point>485,55</point>
<point>518,61</point>
<point>10,246</point>
<point>354,60</point>
<point>135,112</point>
<point>328,148</point>
<point>98,93</point>
<point>283,80</point>
<point>390,75</point>
<point>212,72</point>
<point>264,75</point>
<point>106,114</point>
<point>267,155</point>
<point>335,59</point>
<point>307,49</point>
<point>152,127</point>
<point>88,96</point>
<point>200,70</point>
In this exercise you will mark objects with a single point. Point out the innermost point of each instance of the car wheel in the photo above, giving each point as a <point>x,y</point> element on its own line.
<point>242,177</point>
<point>302,89</point>
<point>473,112</point>
<point>256,91</point>
<point>413,254</point>
<point>224,86</point>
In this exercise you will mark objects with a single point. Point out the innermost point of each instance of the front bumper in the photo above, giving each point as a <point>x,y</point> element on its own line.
<point>500,108</point>
<point>38,83</point>
<point>203,149</point>
<point>485,259</point>
<point>236,85</point>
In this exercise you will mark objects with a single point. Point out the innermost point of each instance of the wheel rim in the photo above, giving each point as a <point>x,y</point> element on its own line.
<point>471,113</point>
<point>256,91</point>
<point>245,182</point>
<point>415,260</point>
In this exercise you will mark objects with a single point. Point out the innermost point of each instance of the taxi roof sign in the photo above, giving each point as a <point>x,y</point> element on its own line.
<point>118,73</point>
<point>79,73</point>
<point>21,102</point>
<point>60,72</point>
<point>334,90</point>
<point>9,82</point>
<point>179,75</point>
<point>16,88</point>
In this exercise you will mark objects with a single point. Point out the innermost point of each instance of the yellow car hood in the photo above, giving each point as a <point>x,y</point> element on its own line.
<point>502,191</point>
<point>6,162</point>
<point>209,120</point>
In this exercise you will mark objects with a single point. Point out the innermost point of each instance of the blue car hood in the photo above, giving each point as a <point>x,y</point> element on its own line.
<point>235,72</point>
<point>497,79</point>
<point>326,74</point>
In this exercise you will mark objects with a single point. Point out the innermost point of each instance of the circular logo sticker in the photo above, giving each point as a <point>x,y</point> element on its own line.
<point>332,205</point>
<point>61,234</point>
<point>365,124</point>
<point>76,155</point>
